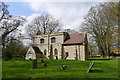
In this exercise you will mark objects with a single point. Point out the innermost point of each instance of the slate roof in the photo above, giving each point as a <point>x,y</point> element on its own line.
<point>76,38</point>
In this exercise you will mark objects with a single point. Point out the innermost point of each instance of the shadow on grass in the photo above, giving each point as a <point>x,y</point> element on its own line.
<point>96,71</point>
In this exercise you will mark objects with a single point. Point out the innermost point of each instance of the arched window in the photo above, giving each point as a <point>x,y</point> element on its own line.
<point>30,55</point>
<point>56,51</point>
<point>42,40</point>
<point>45,52</point>
<point>53,39</point>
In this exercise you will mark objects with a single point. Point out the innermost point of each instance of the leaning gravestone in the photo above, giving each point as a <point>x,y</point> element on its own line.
<point>34,64</point>
<point>90,67</point>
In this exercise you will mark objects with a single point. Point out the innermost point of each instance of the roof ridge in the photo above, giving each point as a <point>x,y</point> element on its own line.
<point>76,33</point>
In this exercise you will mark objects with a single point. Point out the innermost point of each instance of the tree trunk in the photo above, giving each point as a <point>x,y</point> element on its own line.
<point>3,47</point>
<point>3,41</point>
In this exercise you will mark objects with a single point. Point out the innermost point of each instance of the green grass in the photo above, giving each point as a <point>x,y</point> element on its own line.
<point>75,69</point>
<point>0,68</point>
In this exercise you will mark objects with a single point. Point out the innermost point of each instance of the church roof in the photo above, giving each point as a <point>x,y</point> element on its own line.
<point>76,38</point>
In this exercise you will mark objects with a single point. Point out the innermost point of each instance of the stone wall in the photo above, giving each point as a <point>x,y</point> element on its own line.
<point>30,50</point>
<point>70,50</point>
<point>76,52</point>
<point>56,49</point>
<point>82,52</point>
<point>47,45</point>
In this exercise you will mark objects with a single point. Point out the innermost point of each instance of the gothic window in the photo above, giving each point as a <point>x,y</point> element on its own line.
<point>42,40</point>
<point>30,55</point>
<point>56,51</point>
<point>53,39</point>
<point>45,52</point>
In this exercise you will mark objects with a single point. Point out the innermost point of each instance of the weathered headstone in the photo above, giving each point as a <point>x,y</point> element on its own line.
<point>63,67</point>
<point>42,61</point>
<point>34,64</point>
<point>44,64</point>
<point>90,67</point>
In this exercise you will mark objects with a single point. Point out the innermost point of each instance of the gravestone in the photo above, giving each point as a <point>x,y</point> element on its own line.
<point>63,67</point>
<point>90,67</point>
<point>34,64</point>
<point>42,61</point>
<point>44,64</point>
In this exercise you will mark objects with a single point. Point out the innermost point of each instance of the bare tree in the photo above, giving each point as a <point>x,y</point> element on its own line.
<point>8,26</point>
<point>4,13</point>
<point>8,23</point>
<point>101,22</point>
<point>92,49</point>
<point>45,24</point>
<point>70,31</point>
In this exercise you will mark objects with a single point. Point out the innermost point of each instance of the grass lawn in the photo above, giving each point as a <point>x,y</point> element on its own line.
<point>75,69</point>
<point>0,68</point>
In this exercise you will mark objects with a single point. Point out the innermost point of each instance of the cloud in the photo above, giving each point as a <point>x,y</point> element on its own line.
<point>60,0</point>
<point>70,13</point>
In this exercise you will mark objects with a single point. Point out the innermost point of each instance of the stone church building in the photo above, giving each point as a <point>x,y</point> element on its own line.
<point>61,45</point>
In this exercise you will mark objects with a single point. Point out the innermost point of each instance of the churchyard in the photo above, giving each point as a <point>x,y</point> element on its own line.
<point>103,68</point>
